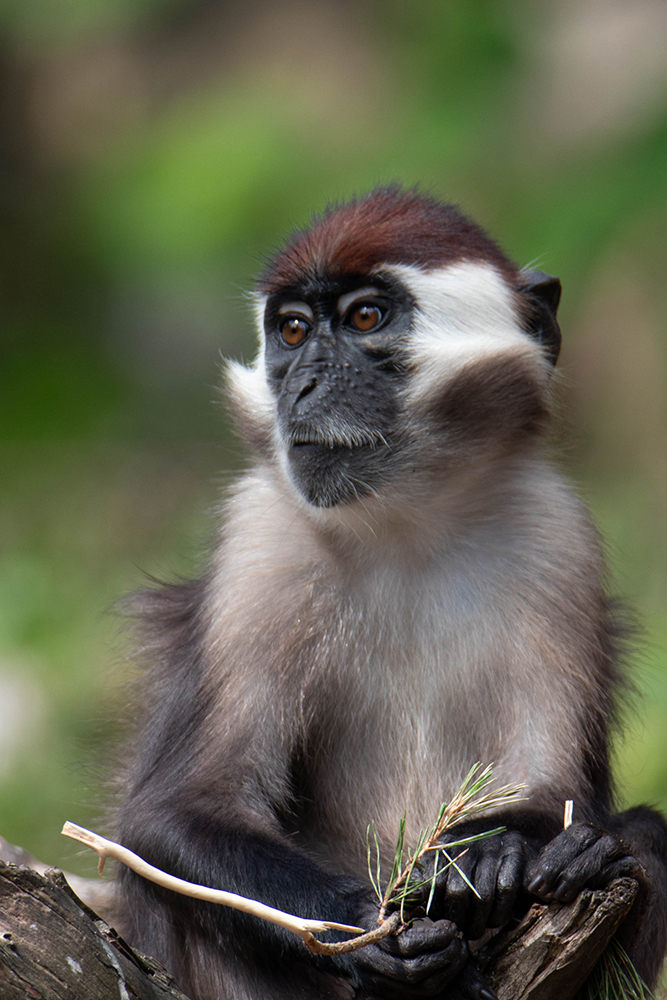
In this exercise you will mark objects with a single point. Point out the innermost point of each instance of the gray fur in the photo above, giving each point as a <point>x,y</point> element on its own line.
<point>454,613</point>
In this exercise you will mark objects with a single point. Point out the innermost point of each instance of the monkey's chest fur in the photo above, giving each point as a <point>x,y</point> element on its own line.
<point>401,722</point>
<point>379,692</point>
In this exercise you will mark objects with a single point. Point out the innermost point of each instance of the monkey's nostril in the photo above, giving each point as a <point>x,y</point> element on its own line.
<point>306,389</point>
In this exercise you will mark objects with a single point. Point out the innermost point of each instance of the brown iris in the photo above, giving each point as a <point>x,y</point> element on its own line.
<point>293,331</point>
<point>365,318</point>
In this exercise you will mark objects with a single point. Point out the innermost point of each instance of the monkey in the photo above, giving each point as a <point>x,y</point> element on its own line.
<point>403,584</point>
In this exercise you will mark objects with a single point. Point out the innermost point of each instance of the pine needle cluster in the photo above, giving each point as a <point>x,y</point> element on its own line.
<point>408,882</point>
<point>615,978</point>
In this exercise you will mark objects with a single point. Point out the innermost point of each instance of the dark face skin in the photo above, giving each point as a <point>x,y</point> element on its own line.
<point>333,361</point>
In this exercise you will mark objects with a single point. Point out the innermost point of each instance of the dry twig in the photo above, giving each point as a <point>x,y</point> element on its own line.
<point>405,880</point>
<point>297,925</point>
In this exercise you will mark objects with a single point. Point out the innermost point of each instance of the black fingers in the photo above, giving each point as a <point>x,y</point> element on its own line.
<point>508,884</point>
<point>580,857</point>
<point>484,878</point>
<point>587,869</point>
<point>458,894</point>
<point>421,937</point>
<point>558,854</point>
<point>495,867</point>
<point>419,962</point>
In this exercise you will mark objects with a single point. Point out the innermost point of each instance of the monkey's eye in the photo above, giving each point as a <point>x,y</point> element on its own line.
<point>293,331</point>
<point>365,317</point>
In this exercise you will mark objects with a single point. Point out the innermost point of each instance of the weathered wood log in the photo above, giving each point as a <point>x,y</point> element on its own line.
<point>97,893</point>
<point>554,949</point>
<point>53,946</point>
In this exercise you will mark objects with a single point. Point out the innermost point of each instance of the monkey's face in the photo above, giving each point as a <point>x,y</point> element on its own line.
<point>401,349</point>
<point>335,363</point>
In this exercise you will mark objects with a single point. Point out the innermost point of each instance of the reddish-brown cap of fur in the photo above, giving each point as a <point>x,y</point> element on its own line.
<point>388,226</point>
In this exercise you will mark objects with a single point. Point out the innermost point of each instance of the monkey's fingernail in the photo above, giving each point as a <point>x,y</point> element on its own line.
<point>536,884</point>
<point>486,994</point>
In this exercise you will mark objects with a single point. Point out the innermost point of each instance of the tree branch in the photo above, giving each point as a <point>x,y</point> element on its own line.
<point>52,945</point>
<point>297,925</point>
<point>555,948</point>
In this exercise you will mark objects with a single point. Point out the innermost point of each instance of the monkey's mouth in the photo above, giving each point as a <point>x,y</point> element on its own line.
<point>306,446</point>
<point>333,469</point>
<point>339,439</point>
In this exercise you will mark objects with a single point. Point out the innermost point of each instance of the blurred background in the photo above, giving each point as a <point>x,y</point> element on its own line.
<point>152,152</point>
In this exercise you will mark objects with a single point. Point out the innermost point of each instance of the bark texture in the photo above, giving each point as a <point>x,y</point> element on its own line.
<point>554,949</point>
<point>54,947</point>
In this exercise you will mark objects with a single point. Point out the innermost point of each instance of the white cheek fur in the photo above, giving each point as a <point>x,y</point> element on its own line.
<point>258,309</point>
<point>465,312</point>
<point>248,386</point>
<point>248,382</point>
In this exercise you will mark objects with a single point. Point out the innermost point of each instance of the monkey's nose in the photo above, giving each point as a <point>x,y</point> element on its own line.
<point>307,389</point>
<point>301,386</point>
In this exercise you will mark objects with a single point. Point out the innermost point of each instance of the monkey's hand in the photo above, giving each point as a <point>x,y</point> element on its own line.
<point>581,857</point>
<point>496,867</point>
<point>419,962</point>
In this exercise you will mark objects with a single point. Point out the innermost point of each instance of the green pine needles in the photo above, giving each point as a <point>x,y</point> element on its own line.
<point>615,978</point>
<point>408,883</point>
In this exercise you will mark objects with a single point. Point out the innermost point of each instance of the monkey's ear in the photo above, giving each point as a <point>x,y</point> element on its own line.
<point>543,294</point>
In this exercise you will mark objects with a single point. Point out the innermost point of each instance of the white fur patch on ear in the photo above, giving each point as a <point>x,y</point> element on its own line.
<point>464,312</point>
<point>248,383</point>
<point>250,398</point>
<point>258,309</point>
<point>251,405</point>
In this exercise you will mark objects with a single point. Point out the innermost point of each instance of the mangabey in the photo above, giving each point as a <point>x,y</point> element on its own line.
<point>403,586</point>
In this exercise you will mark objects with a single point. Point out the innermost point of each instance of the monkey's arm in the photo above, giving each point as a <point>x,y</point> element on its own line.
<point>531,860</point>
<point>420,964</point>
<point>588,855</point>
<point>213,776</point>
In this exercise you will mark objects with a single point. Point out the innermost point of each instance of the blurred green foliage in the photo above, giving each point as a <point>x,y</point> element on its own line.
<point>154,153</point>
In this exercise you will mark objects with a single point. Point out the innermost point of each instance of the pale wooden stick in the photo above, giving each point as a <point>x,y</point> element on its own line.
<point>297,925</point>
<point>567,815</point>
